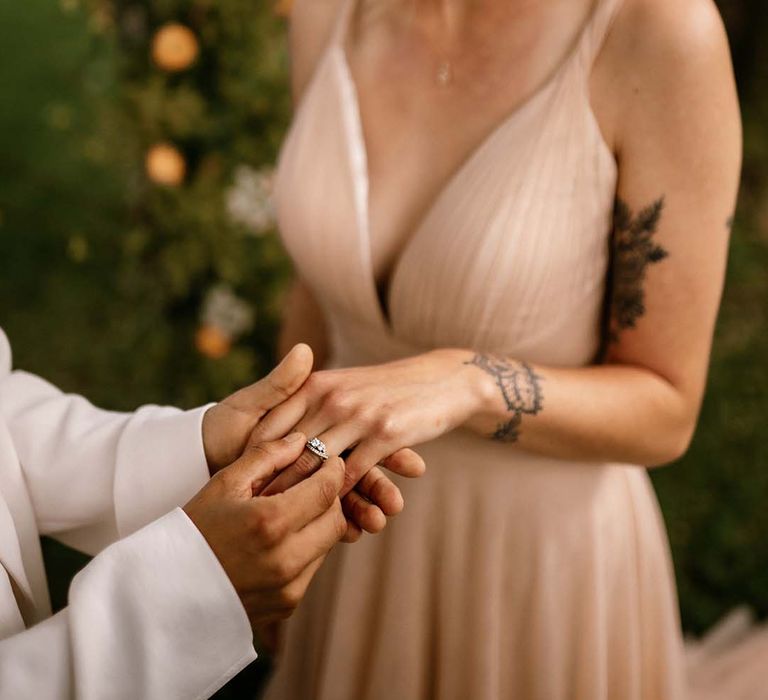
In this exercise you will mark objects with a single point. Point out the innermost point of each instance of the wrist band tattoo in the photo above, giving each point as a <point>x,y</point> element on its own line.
<point>519,385</point>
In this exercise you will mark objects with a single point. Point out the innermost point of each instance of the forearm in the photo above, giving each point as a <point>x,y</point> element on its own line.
<point>605,412</point>
<point>616,412</point>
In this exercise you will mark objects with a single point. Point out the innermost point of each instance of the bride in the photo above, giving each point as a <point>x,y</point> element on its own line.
<point>510,221</point>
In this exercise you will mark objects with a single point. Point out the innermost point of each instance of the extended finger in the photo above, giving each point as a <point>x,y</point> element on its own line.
<point>366,455</point>
<point>312,497</point>
<point>378,489</point>
<point>354,532</point>
<point>365,514</point>
<point>405,462</point>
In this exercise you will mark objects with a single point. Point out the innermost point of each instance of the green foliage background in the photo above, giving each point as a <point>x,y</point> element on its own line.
<point>102,273</point>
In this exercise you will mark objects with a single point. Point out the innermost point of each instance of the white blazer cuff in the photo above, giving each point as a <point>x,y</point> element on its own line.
<point>187,632</point>
<point>160,465</point>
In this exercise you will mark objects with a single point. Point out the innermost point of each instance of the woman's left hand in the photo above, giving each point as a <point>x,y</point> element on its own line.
<point>375,411</point>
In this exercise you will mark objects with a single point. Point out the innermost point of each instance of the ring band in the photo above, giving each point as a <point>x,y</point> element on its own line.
<point>317,447</point>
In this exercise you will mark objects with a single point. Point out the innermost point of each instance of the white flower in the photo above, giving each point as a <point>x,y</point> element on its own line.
<point>224,310</point>
<point>249,199</point>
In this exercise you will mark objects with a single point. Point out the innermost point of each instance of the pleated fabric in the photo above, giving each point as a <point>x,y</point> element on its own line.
<point>509,575</point>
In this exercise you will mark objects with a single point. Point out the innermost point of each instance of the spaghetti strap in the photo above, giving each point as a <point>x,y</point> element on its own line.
<point>342,21</point>
<point>598,29</point>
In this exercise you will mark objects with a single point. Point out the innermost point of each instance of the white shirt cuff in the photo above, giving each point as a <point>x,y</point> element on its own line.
<point>187,631</point>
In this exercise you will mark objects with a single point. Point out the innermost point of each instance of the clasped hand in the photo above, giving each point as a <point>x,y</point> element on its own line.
<point>374,412</point>
<point>271,544</point>
<point>230,425</point>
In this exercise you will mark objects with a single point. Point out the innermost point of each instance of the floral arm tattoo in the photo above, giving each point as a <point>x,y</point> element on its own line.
<point>519,385</point>
<point>633,249</point>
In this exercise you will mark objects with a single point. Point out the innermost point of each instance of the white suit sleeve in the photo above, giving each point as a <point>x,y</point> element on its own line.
<point>94,475</point>
<point>153,616</point>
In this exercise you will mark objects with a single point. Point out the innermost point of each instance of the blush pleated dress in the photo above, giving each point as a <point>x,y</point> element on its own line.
<point>509,575</point>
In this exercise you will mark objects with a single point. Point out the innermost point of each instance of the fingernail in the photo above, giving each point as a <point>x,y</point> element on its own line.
<point>293,437</point>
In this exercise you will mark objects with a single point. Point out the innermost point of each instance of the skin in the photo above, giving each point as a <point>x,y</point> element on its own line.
<point>270,547</point>
<point>229,426</point>
<point>663,94</point>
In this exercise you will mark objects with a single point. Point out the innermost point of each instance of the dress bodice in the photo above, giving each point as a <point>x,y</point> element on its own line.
<point>511,256</point>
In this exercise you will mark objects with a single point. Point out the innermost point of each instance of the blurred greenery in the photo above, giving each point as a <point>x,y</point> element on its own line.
<point>97,260</point>
<point>103,273</point>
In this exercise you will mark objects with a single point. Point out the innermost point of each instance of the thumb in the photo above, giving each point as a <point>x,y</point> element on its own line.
<point>280,384</point>
<point>261,462</point>
<point>287,378</point>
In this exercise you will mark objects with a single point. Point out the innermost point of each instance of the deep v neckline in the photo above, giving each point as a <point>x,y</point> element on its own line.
<point>355,136</point>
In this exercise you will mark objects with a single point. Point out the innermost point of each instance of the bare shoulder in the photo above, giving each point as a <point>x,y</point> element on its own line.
<point>688,32</point>
<point>311,27</point>
<point>668,64</point>
<point>670,44</point>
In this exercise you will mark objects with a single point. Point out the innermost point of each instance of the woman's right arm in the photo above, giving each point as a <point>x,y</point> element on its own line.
<point>311,25</point>
<point>303,322</point>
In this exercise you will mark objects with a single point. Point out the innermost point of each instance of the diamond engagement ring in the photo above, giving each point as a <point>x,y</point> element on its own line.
<point>317,447</point>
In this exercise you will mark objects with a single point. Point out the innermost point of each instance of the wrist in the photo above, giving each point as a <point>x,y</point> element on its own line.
<point>509,387</point>
<point>477,390</point>
<point>486,389</point>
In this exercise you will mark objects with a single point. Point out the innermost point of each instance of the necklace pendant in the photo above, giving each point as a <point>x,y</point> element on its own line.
<point>444,74</point>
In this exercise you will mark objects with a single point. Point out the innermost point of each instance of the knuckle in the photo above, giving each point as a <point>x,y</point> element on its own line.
<point>290,597</point>
<point>365,415</point>
<point>387,427</point>
<point>257,433</point>
<point>266,525</point>
<point>257,521</point>
<point>327,493</point>
<point>273,530</point>
<point>260,451</point>
<point>285,569</point>
<point>338,403</point>
<point>315,384</point>
<point>306,464</point>
<point>223,481</point>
